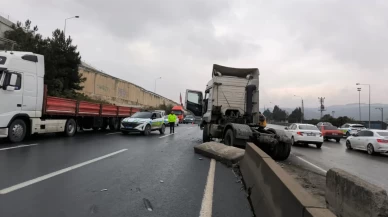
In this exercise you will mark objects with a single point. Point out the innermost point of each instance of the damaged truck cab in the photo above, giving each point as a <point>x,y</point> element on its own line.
<point>230,111</point>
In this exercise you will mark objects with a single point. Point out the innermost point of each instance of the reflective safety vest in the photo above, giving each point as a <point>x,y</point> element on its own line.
<point>171,118</point>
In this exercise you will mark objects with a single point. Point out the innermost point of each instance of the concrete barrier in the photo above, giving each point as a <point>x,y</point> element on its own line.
<point>272,191</point>
<point>349,196</point>
<point>220,152</point>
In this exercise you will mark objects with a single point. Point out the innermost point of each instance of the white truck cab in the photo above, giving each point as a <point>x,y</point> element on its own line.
<point>21,89</point>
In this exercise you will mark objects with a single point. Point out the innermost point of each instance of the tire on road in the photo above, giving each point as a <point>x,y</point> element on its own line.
<point>162,129</point>
<point>370,149</point>
<point>283,149</point>
<point>229,138</point>
<point>205,134</point>
<point>114,124</point>
<point>337,140</point>
<point>70,127</point>
<point>147,130</point>
<point>348,145</point>
<point>319,145</point>
<point>17,130</point>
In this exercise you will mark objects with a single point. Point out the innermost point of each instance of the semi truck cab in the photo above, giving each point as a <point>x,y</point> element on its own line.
<point>21,88</point>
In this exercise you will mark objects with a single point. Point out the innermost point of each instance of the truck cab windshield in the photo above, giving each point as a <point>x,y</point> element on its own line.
<point>176,112</point>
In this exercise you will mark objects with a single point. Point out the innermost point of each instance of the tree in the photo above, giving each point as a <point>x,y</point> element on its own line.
<point>279,114</point>
<point>268,114</point>
<point>295,116</point>
<point>61,58</point>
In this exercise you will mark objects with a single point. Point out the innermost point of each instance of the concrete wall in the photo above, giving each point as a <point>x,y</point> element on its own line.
<point>349,196</point>
<point>272,191</point>
<point>99,85</point>
<point>5,25</point>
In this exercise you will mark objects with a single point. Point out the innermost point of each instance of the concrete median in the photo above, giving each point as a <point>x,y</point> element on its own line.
<point>220,152</point>
<point>349,196</point>
<point>272,191</point>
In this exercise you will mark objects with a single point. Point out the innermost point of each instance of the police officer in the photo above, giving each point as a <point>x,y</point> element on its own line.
<point>171,120</point>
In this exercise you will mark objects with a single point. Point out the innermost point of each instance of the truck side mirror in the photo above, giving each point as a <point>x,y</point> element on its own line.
<point>12,81</point>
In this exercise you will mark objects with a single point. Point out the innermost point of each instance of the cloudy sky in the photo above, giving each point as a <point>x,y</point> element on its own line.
<point>310,48</point>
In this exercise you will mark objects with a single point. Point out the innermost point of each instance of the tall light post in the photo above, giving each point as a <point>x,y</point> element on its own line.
<point>302,108</point>
<point>359,101</point>
<point>155,83</point>
<point>369,99</point>
<point>64,29</point>
<point>382,117</point>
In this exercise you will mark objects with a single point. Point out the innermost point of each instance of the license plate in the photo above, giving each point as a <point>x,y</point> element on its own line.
<point>128,127</point>
<point>335,134</point>
<point>310,134</point>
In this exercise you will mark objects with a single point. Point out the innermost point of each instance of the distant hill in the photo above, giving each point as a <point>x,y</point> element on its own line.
<point>350,110</point>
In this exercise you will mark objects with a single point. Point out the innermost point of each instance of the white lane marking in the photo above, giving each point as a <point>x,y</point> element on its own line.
<point>50,175</point>
<point>167,135</point>
<point>207,201</point>
<point>19,146</point>
<point>311,164</point>
<point>112,133</point>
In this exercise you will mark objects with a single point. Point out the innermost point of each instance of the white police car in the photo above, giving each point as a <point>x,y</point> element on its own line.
<point>143,122</point>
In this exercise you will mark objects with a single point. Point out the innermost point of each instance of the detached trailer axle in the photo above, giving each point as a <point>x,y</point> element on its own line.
<point>273,142</point>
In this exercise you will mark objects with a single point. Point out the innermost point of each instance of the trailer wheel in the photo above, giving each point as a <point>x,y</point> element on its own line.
<point>17,130</point>
<point>114,124</point>
<point>229,138</point>
<point>205,133</point>
<point>70,127</point>
<point>283,149</point>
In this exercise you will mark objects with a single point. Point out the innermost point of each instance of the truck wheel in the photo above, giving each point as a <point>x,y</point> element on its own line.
<point>17,130</point>
<point>205,134</point>
<point>283,149</point>
<point>162,129</point>
<point>70,127</point>
<point>229,138</point>
<point>147,130</point>
<point>114,124</point>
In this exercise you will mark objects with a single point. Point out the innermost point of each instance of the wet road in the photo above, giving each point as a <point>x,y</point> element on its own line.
<point>109,174</point>
<point>370,168</point>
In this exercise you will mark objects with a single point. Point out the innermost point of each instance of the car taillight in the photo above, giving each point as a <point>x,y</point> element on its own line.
<point>300,133</point>
<point>382,141</point>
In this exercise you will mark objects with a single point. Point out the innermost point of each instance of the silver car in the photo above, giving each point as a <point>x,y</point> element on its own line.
<point>371,141</point>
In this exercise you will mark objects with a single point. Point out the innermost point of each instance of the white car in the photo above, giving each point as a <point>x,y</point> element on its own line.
<point>350,129</point>
<point>143,122</point>
<point>369,140</point>
<point>167,123</point>
<point>304,134</point>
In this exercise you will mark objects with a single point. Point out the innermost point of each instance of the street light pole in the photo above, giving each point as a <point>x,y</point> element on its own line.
<point>302,109</point>
<point>64,29</point>
<point>382,116</point>
<point>359,101</point>
<point>369,99</point>
<point>155,84</point>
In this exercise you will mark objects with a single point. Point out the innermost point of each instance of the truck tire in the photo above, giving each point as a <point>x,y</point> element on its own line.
<point>17,130</point>
<point>283,149</point>
<point>205,134</point>
<point>162,129</point>
<point>70,127</point>
<point>114,124</point>
<point>229,138</point>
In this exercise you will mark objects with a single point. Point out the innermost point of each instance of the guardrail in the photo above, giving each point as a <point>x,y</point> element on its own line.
<point>272,191</point>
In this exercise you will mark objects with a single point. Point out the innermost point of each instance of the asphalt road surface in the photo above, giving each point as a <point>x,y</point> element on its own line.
<point>373,169</point>
<point>109,174</point>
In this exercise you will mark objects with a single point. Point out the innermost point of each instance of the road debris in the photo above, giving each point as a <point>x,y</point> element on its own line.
<point>147,204</point>
<point>200,158</point>
<point>161,181</point>
<point>104,189</point>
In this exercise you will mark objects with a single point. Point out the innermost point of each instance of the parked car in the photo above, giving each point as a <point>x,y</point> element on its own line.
<point>320,124</point>
<point>143,122</point>
<point>331,132</point>
<point>371,141</point>
<point>304,134</point>
<point>349,129</point>
<point>188,119</point>
<point>166,121</point>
